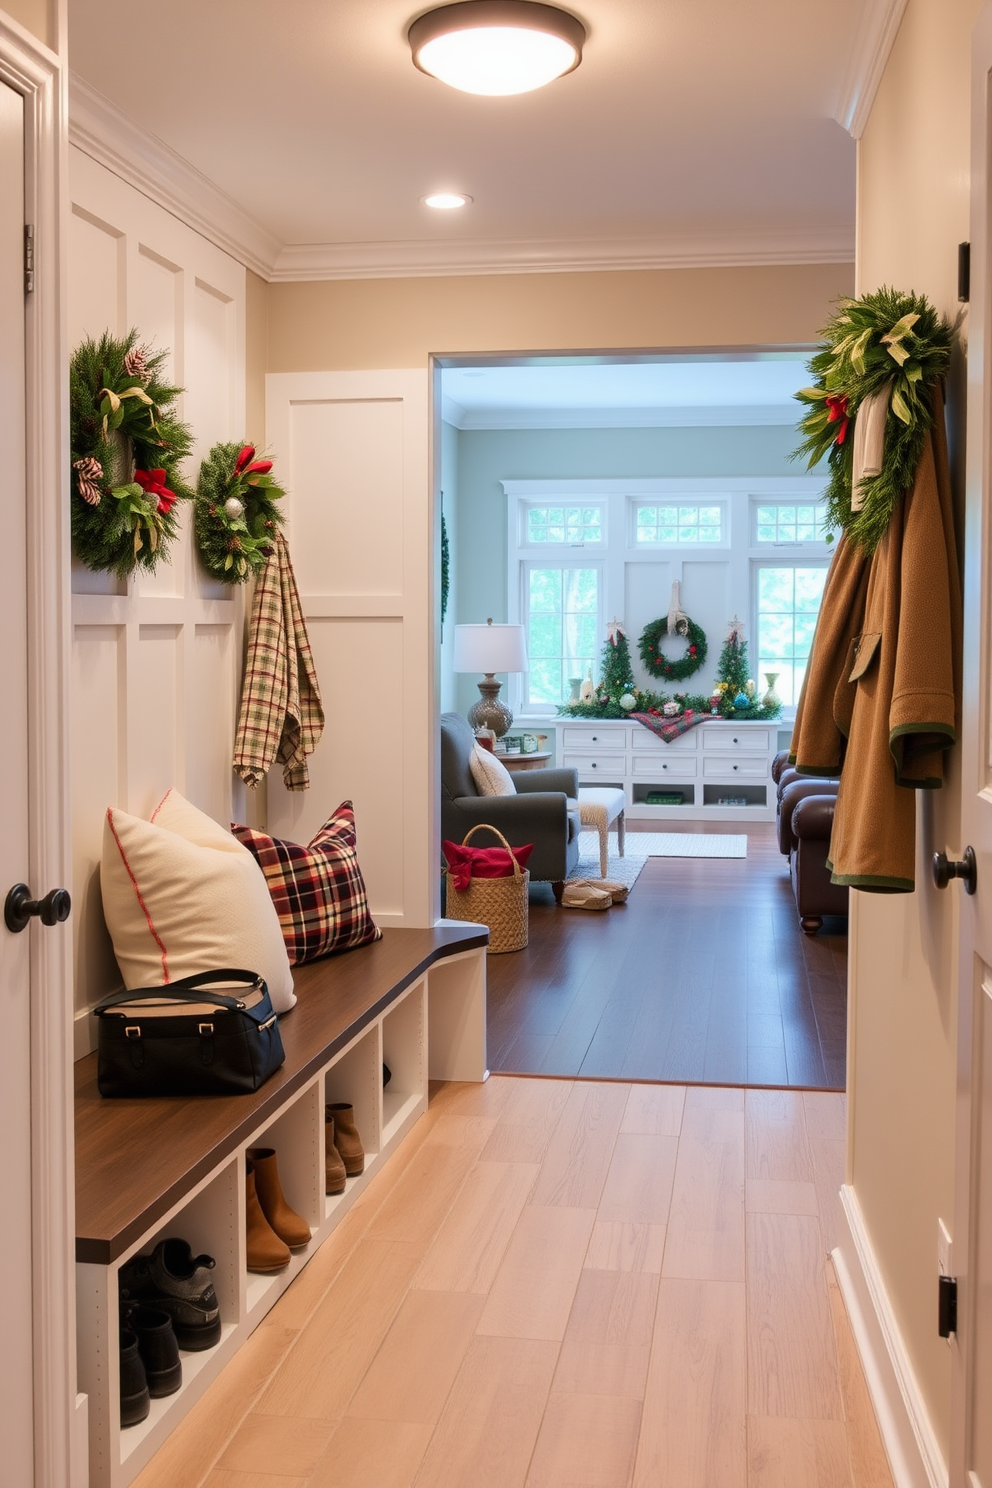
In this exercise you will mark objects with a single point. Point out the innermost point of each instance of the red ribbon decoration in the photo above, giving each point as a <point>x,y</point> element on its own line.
<point>152,482</point>
<point>837,404</point>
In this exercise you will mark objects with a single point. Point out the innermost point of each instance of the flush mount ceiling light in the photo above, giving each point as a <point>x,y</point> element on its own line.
<point>446,201</point>
<point>497,47</point>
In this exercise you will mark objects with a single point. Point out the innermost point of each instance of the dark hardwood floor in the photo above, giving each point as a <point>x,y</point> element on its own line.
<point>704,976</point>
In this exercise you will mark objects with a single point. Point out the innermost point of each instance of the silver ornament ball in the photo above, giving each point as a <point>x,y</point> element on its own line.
<point>234,508</point>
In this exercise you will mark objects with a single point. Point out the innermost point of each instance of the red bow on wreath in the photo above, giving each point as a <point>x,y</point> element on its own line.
<point>152,482</point>
<point>837,404</point>
<point>246,464</point>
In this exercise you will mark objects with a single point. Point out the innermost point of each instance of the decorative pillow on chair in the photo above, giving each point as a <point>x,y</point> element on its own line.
<point>491,776</point>
<point>181,895</point>
<point>318,890</point>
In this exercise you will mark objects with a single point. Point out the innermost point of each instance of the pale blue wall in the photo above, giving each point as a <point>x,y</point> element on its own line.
<point>449,505</point>
<point>484,458</point>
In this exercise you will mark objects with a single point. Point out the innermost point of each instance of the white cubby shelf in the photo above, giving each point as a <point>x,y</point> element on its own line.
<point>149,1170</point>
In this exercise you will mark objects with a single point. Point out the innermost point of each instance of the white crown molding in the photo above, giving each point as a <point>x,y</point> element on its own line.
<point>910,1443</point>
<point>103,131</point>
<point>420,259</point>
<point>877,32</point>
<point>724,416</point>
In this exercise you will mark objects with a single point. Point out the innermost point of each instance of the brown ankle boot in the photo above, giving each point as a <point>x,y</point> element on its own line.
<point>266,1251</point>
<point>346,1138</point>
<point>335,1172</point>
<point>291,1227</point>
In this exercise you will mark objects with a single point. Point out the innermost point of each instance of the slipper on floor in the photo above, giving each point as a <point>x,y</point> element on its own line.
<point>584,896</point>
<point>617,891</point>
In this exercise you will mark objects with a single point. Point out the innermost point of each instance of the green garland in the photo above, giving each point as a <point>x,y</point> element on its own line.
<point>885,340</point>
<point>445,568</point>
<point>126,448</point>
<point>657,662</point>
<point>235,516</point>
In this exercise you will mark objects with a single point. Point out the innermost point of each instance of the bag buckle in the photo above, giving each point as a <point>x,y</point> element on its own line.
<point>267,1024</point>
<point>132,1030</point>
<point>206,1030</point>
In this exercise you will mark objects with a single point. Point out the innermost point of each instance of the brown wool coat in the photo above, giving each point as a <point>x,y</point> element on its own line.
<point>882,692</point>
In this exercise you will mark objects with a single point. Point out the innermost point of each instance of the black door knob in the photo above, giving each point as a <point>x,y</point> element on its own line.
<point>944,869</point>
<point>19,907</point>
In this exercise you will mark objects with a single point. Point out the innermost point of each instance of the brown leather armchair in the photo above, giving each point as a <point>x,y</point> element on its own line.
<point>805,821</point>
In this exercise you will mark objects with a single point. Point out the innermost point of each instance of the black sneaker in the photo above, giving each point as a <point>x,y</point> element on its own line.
<point>158,1348</point>
<point>178,1283</point>
<point>135,1397</point>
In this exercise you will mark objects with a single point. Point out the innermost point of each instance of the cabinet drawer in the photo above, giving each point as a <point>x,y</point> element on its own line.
<point>594,766</point>
<point>729,739</point>
<point>743,767</point>
<point>653,768</point>
<point>593,740</point>
<point>645,742</point>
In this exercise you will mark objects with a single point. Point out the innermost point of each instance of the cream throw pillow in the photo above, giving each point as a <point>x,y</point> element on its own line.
<point>491,776</point>
<point>181,895</point>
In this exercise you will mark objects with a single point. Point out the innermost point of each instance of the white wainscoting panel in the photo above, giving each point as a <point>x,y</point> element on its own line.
<point>155,661</point>
<point>353,447</point>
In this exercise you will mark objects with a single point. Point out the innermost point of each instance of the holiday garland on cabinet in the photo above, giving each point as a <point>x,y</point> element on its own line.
<point>880,356</point>
<point>235,514</point>
<point>126,449</point>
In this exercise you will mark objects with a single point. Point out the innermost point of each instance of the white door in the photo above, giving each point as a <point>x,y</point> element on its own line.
<point>971,1458</point>
<point>16,1394</point>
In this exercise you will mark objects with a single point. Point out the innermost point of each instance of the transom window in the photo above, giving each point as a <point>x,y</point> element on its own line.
<point>563,524</point>
<point>679,524</point>
<point>788,602</point>
<point>781,522</point>
<point>562,616</point>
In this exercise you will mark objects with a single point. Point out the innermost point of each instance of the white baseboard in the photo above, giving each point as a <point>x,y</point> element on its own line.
<point>913,1451</point>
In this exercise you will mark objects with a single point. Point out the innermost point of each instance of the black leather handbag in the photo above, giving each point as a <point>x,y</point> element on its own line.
<point>183,1040</point>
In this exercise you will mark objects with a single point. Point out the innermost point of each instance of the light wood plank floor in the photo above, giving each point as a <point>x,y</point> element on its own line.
<point>561,1284</point>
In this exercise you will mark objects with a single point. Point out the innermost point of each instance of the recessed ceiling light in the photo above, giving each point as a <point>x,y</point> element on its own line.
<point>446,201</point>
<point>497,47</point>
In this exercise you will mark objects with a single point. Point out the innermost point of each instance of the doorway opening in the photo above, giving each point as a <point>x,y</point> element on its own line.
<point>578,491</point>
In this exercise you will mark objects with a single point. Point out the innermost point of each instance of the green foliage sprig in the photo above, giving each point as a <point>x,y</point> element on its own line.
<point>126,450</point>
<point>658,663</point>
<point>884,340</point>
<point>235,516</point>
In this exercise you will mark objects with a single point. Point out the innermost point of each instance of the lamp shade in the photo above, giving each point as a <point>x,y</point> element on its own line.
<point>490,648</point>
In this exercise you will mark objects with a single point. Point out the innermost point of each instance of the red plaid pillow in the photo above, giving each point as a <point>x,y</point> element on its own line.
<point>318,890</point>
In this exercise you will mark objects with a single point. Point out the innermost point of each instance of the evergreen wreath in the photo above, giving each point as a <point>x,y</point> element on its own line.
<point>890,341</point>
<point>235,516</point>
<point>658,663</point>
<point>126,448</point>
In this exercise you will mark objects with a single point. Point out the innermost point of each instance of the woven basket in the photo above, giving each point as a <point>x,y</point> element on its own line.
<point>499,903</point>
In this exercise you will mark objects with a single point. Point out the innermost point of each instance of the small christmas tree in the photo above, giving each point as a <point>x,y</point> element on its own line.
<point>732,669</point>
<point>618,675</point>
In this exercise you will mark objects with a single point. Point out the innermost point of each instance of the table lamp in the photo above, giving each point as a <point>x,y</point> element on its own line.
<point>490,648</point>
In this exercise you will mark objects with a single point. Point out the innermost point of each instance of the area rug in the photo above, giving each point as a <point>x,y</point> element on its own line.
<point>639,846</point>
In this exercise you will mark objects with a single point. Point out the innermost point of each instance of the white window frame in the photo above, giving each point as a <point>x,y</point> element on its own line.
<point>541,556</point>
<point>678,498</point>
<point>774,557</point>
<point>798,545</point>
<point>525,505</point>
<point>619,550</point>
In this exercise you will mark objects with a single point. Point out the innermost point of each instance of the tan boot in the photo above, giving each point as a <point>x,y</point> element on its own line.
<point>291,1227</point>
<point>266,1251</point>
<point>618,892</point>
<point>334,1168</point>
<point>584,896</point>
<point>346,1138</point>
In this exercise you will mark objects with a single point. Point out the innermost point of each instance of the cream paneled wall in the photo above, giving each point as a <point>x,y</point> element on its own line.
<point>155,661</point>
<point>353,447</point>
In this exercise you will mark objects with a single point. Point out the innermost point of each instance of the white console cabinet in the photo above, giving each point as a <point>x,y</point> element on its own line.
<point>709,767</point>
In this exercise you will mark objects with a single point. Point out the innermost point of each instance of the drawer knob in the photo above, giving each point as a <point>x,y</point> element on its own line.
<point>593,765</point>
<point>737,741</point>
<point>735,767</point>
<point>664,767</point>
<point>595,738</point>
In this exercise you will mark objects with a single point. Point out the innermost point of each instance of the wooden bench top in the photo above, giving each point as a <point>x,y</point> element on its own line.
<point>135,1159</point>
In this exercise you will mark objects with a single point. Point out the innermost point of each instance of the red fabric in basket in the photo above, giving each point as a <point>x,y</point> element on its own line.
<point>482,862</point>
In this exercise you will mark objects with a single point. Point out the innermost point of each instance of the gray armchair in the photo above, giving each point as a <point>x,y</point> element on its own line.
<point>544,811</point>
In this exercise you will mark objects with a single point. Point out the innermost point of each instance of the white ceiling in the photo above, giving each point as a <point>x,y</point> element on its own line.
<point>693,129</point>
<point>676,391</point>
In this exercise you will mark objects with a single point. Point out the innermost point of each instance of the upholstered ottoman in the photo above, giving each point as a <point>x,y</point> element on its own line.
<point>600,808</point>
